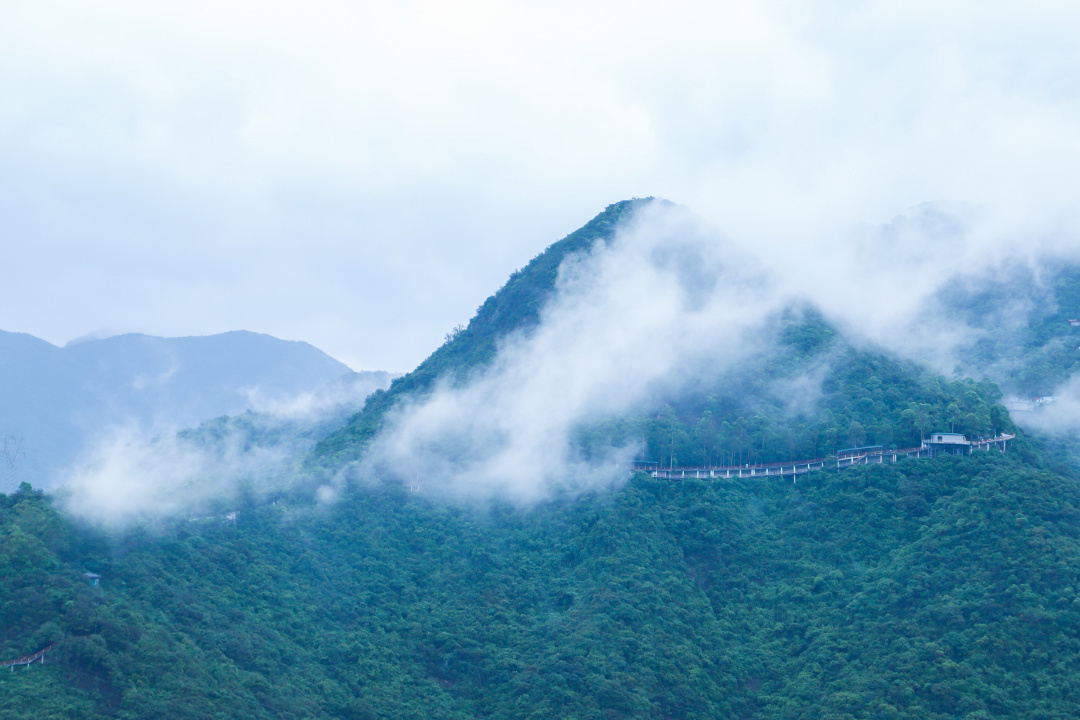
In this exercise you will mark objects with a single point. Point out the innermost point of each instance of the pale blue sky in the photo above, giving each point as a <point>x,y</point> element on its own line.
<point>362,175</point>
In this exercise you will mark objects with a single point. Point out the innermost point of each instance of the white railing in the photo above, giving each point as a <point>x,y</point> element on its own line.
<point>790,469</point>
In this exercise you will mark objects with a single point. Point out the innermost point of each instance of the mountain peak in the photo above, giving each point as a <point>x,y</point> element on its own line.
<point>515,307</point>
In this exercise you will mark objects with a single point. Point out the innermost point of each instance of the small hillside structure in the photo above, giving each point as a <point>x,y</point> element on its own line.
<point>947,442</point>
<point>948,439</point>
<point>93,578</point>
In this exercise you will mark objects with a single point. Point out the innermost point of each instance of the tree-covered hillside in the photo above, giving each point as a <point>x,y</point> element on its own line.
<point>846,396</point>
<point>1021,316</point>
<point>59,402</point>
<point>807,394</point>
<point>514,308</point>
<point>932,588</point>
<point>928,589</point>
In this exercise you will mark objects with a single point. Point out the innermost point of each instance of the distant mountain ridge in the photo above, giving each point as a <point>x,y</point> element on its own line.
<point>58,399</point>
<point>927,589</point>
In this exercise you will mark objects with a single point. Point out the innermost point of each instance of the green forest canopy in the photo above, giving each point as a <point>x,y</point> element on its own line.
<point>941,588</point>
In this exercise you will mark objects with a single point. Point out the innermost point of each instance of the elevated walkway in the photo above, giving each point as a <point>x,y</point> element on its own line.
<point>732,471</point>
<point>27,659</point>
<point>844,459</point>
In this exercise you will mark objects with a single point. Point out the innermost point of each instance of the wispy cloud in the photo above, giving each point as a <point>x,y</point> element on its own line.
<point>134,473</point>
<point>666,301</point>
<point>132,477</point>
<point>667,308</point>
<point>184,168</point>
<point>334,399</point>
<point>1058,417</point>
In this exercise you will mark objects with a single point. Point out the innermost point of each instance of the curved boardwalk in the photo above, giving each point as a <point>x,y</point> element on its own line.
<point>27,659</point>
<point>844,459</point>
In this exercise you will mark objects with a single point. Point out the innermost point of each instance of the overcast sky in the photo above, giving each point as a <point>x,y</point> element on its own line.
<point>362,175</point>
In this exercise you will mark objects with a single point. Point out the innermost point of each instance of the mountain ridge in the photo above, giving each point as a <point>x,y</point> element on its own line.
<point>514,307</point>
<point>59,399</point>
<point>928,589</point>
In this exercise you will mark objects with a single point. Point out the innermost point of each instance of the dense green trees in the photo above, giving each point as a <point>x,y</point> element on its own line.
<point>514,308</point>
<point>800,400</point>
<point>936,588</point>
<point>926,589</point>
<point>932,588</point>
<point>1020,314</point>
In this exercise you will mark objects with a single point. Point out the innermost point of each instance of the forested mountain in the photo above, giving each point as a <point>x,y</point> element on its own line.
<point>58,401</point>
<point>1025,336</point>
<point>929,588</point>
<point>514,308</point>
<point>740,415</point>
<point>1023,316</point>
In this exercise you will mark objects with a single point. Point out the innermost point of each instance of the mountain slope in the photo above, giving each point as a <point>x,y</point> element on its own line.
<point>514,308</point>
<point>1021,316</point>
<point>931,588</point>
<point>60,399</point>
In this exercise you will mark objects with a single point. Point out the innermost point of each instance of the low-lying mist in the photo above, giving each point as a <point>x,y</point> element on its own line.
<point>669,306</point>
<point>631,321</point>
<point>135,473</point>
<point>131,476</point>
<point>666,307</point>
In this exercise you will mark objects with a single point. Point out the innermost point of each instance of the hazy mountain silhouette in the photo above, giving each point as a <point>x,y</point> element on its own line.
<point>59,400</point>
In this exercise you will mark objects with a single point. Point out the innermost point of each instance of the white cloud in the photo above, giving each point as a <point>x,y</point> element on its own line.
<point>132,477</point>
<point>668,307</point>
<point>334,399</point>
<point>133,473</point>
<point>362,175</point>
<point>666,303</point>
<point>1059,417</point>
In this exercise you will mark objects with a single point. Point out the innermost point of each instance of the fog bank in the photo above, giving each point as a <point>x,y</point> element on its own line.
<point>628,322</point>
<point>667,306</point>
<point>136,473</point>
